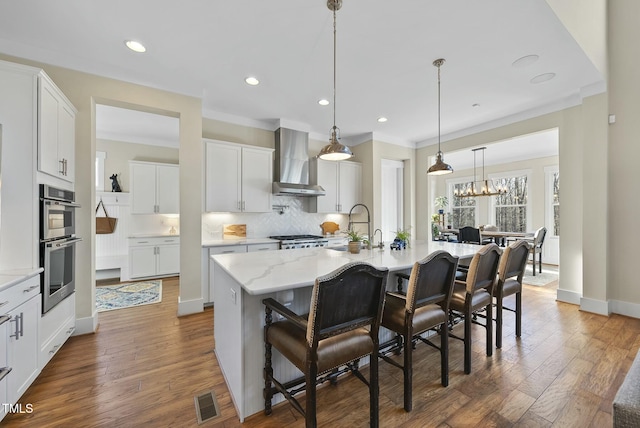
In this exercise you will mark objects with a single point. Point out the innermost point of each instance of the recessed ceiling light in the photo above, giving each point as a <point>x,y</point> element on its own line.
<point>525,61</point>
<point>543,77</point>
<point>382,119</point>
<point>135,46</point>
<point>252,81</point>
<point>323,102</point>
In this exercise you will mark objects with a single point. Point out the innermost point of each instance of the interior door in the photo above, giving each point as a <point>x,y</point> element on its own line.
<point>392,189</point>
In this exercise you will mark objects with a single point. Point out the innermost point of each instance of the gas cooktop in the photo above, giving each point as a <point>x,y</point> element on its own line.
<point>295,237</point>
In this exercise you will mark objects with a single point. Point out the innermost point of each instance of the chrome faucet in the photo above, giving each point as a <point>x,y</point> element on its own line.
<point>368,223</point>
<point>380,243</point>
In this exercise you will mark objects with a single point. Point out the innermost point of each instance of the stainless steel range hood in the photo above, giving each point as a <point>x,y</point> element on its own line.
<point>291,171</point>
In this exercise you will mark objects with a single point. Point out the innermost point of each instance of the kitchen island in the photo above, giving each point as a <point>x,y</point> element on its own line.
<point>242,281</point>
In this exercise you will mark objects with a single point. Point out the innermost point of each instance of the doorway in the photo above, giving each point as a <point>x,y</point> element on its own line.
<point>124,135</point>
<point>392,189</point>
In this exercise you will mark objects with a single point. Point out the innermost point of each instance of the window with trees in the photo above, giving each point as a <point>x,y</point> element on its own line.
<point>510,209</point>
<point>552,195</point>
<point>463,210</point>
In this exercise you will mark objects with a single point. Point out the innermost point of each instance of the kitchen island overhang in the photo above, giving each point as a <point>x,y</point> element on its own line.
<point>243,280</point>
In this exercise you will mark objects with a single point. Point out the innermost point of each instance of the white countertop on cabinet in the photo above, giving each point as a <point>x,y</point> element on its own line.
<point>270,271</point>
<point>239,241</point>
<point>9,278</point>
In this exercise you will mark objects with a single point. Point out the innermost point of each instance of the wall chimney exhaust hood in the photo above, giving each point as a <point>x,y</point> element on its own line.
<point>291,171</point>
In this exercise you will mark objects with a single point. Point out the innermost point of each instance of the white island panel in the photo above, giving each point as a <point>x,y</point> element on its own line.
<point>244,280</point>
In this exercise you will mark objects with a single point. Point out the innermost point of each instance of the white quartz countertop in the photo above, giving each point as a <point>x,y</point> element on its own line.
<point>270,271</point>
<point>238,241</point>
<point>9,278</point>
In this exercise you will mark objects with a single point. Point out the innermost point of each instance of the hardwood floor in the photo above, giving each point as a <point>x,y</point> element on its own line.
<point>144,366</point>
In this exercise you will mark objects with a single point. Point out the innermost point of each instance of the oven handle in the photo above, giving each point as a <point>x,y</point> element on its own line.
<point>65,204</point>
<point>63,244</point>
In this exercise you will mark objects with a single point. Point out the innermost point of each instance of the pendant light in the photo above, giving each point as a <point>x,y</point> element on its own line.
<point>439,168</point>
<point>484,187</point>
<point>334,150</point>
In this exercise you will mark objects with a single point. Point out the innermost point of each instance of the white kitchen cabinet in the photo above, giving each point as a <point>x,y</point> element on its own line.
<point>56,326</point>
<point>342,182</point>
<point>21,127</point>
<point>229,249</point>
<point>337,242</point>
<point>4,367</point>
<point>23,306</point>
<point>238,177</point>
<point>154,188</point>
<point>154,256</point>
<point>56,131</point>
<point>263,247</point>
<point>207,263</point>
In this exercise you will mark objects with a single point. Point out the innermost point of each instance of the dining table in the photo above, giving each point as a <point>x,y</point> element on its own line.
<point>499,237</point>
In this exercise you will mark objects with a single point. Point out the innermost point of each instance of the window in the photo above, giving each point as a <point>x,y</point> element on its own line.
<point>552,195</point>
<point>510,209</point>
<point>463,210</point>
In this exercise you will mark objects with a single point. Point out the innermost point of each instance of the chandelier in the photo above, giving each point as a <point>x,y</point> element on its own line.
<point>482,187</point>
<point>440,167</point>
<point>334,150</point>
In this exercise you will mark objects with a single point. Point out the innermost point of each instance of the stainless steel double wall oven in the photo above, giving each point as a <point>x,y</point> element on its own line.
<point>57,244</point>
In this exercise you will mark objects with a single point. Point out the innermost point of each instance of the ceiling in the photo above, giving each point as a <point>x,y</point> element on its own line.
<point>385,52</point>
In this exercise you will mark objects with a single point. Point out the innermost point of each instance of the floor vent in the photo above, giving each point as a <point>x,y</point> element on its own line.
<point>206,406</point>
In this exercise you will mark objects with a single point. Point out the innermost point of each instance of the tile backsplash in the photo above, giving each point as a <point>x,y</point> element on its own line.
<point>289,217</point>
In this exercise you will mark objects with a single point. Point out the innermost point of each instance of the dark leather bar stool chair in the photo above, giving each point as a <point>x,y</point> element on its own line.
<point>476,293</point>
<point>341,327</point>
<point>424,307</point>
<point>510,272</point>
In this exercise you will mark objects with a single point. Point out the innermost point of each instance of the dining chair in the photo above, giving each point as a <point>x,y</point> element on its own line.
<point>424,307</point>
<point>474,294</point>
<point>340,329</point>
<point>535,247</point>
<point>469,235</point>
<point>510,273</point>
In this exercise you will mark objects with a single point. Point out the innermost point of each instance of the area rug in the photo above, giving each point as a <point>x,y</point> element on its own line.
<point>110,297</point>
<point>541,279</point>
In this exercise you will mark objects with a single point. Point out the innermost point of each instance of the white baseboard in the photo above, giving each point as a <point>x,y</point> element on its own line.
<point>86,325</point>
<point>568,296</point>
<point>190,306</point>
<point>600,307</point>
<point>625,308</point>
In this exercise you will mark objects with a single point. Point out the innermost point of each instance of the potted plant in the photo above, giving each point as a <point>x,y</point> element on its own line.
<point>441,202</point>
<point>402,239</point>
<point>355,241</point>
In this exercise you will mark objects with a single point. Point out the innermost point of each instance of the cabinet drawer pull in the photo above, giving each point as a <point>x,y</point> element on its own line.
<point>4,372</point>
<point>228,252</point>
<point>71,330</point>
<point>4,319</point>
<point>263,249</point>
<point>55,348</point>
<point>33,287</point>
